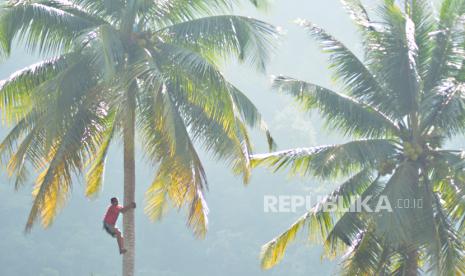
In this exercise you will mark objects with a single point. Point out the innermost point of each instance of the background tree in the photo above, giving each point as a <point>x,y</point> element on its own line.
<point>114,69</point>
<point>400,104</point>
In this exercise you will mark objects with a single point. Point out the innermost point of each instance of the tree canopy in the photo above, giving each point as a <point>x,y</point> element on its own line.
<point>399,103</point>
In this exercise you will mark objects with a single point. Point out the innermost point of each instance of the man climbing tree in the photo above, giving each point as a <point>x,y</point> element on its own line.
<point>109,221</point>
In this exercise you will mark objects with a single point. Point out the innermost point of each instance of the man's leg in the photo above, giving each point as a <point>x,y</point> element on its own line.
<point>120,240</point>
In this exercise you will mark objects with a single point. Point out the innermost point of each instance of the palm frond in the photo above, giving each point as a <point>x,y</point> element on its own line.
<point>200,88</point>
<point>232,147</point>
<point>250,114</point>
<point>425,24</point>
<point>96,171</point>
<point>444,109</point>
<point>348,69</point>
<point>273,251</point>
<point>367,256</point>
<point>358,13</point>
<point>448,40</point>
<point>447,250</point>
<point>340,111</point>
<point>16,91</point>
<point>110,11</point>
<point>46,26</point>
<point>347,231</point>
<point>59,95</point>
<point>329,161</point>
<point>397,62</point>
<point>180,169</point>
<point>225,35</point>
<point>64,158</point>
<point>260,4</point>
<point>106,50</point>
<point>189,73</point>
<point>319,221</point>
<point>401,224</point>
<point>27,152</point>
<point>20,130</point>
<point>175,11</point>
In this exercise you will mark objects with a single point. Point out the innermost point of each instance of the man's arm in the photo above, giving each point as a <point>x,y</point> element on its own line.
<point>129,207</point>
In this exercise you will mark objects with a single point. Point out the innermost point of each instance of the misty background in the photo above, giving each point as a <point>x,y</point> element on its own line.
<point>238,226</point>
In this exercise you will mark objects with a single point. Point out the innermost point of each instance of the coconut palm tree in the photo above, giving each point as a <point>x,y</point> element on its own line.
<point>398,105</point>
<point>116,69</point>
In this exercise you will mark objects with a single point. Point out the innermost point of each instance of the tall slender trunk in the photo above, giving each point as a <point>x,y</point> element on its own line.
<point>129,185</point>
<point>412,263</point>
<point>129,228</point>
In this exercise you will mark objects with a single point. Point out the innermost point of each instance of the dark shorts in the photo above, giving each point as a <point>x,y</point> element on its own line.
<point>111,229</point>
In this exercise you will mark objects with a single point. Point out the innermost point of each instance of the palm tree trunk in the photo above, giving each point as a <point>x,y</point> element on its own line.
<point>412,263</point>
<point>129,187</point>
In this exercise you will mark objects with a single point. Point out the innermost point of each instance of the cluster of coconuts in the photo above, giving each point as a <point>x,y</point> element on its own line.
<point>386,167</point>
<point>141,42</point>
<point>412,150</point>
<point>141,39</point>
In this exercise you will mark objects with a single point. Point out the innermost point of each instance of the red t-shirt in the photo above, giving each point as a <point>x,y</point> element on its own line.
<point>112,214</point>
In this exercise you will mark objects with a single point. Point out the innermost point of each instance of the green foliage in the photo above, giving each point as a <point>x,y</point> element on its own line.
<point>401,101</point>
<point>330,161</point>
<point>158,59</point>
<point>342,112</point>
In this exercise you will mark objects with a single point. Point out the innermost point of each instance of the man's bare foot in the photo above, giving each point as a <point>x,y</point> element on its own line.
<point>122,251</point>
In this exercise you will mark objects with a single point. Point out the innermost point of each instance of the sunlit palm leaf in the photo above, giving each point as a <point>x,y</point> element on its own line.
<point>95,173</point>
<point>226,35</point>
<point>329,161</point>
<point>54,183</point>
<point>46,26</point>
<point>320,220</point>
<point>15,92</point>
<point>351,71</point>
<point>444,52</point>
<point>340,111</point>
